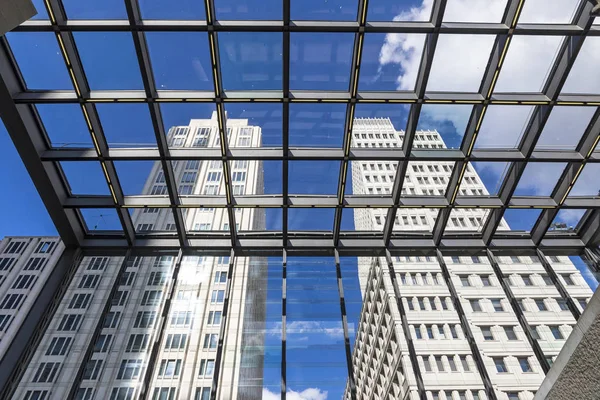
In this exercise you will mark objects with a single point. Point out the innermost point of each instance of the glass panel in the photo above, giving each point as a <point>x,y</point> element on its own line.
<point>249,9</point>
<point>477,11</point>
<point>459,62</point>
<point>566,220</point>
<point>313,177</point>
<point>389,10</point>
<point>85,177</point>
<point>390,61</point>
<point>564,127</point>
<point>538,11</point>
<point>415,220</point>
<point>186,122</point>
<point>539,179</point>
<point>106,9</point>
<point>447,122</point>
<point>141,177</point>
<point>101,219</point>
<point>365,219</point>
<point>324,10</point>
<point>483,178</point>
<point>316,359</point>
<point>527,64</point>
<point>32,49</point>
<point>350,267</point>
<point>258,309</point>
<point>588,57</point>
<point>589,277</point>
<point>503,126</point>
<point>109,60</point>
<point>163,221</point>
<point>317,124</point>
<point>273,177</point>
<point>519,219</point>
<point>201,220</point>
<point>259,219</point>
<point>127,125</point>
<point>251,60</point>
<point>266,116</point>
<point>466,220</point>
<point>65,125</point>
<point>388,121</point>
<point>310,219</point>
<point>184,66</point>
<point>180,10</point>
<point>587,182</point>
<point>371,177</point>
<point>427,178</point>
<point>320,61</point>
<point>348,218</point>
<point>41,9</point>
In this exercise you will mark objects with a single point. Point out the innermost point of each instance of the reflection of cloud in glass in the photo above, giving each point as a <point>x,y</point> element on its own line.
<point>306,394</point>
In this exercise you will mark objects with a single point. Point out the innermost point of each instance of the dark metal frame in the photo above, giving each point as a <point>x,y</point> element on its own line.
<point>42,161</point>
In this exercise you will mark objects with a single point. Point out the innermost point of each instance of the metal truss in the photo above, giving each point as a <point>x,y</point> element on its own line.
<point>42,160</point>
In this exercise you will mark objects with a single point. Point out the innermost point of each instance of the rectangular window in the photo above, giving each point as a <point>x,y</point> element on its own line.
<point>497,304</point>
<point>164,393</point>
<point>441,332</point>
<point>144,319</point>
<point>89,281</point>
<point>453,332</point>
<point>44,247</point>
<point>151,297</point>
<point>221,277</point>
<point>176,341</point>
<point>439,363</point>
<point>97,263</point>
<point>475,306</point>
<point>137,343</point>
<point>58,346</point>
<point>562,304</point>
<point>181,318</point>
<point>485,279</point>
<point>500,366</point>
<point>80,300</point>
<point>524,363</point>
<point>510,333</point>
<point>452,364</point>
<point>192,164</point>
<point>217,296</point>
<point>541,305</point>
<point>130,369</point>
<point>486,331</point>
<point>206,367</point>
<point>465,363</point>
<point>157,278</point>
<point>475,259</point>
<point>214,318</point>
<point>46,372</point>
<point>111,320</point>
<point>464,280</point>
<point>102,343</point>
<point>24,281</point>
<point>14,247</point>
<point>568,280</point>
<point>418,332</point>
<point>527,280</point>
<point>210,341</point>
<point>11,301</point>
<point>119,298</point>
<point>426,364</point>
<point>6,263</point>
<point>84,394</point>
<point>122,393</point>
<point>429,331</point>
<point>556,332</point>
<point>69,322</point>
<point>547,280</point>
<point>169,368</point>
<point>92,369</point>
<point>36,395</point>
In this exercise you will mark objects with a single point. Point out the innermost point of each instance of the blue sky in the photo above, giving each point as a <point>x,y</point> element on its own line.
<point>252,61</point>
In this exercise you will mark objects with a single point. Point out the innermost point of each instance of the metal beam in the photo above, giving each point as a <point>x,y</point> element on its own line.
<point>338,270</point>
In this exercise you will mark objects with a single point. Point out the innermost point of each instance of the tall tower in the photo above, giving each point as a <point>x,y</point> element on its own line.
<point>448,322</point>
<point>150,327</point>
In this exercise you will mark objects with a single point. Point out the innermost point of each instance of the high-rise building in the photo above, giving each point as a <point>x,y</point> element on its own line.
<point>131,326</point>
<point>451,326</point>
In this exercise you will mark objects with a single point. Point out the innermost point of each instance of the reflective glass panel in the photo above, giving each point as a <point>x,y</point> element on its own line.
<point>126,125</point>
<point>539,179</point>
<point>144,223</point>
<point>449,123</point>
<point>566,220</point>
<point>106,9</point>
<point>313,177</point>
<point>519,219</point>
<point>165,9</point>
<point>324,10</point>
<point>249,9</point>
<point>141,178</point>
<point>415,220</point>
<point>467,220</point>
<point>65,125</point>
<point>267,117</point>
<point>578,80</point>
<point>101,219</point>
<point>310,219</point>
<point>503,126</point>
<point>587,182</point>
<point>483,178</point>
<point>316,125</point>
<point>474,11</point>
<point>564,127</point>
<point>542,11</point>
<point>85,177</point>
<point>391,10</point>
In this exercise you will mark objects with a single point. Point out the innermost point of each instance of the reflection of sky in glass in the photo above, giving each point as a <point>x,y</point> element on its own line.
<point>101,219</point>
<point>521,219</point>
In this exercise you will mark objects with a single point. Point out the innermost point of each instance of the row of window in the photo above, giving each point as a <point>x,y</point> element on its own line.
<point>488,333</point>
<point>121,393</point>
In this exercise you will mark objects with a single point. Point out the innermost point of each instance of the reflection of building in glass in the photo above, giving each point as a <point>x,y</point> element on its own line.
<point>133,327</point>
<point>409,324</point>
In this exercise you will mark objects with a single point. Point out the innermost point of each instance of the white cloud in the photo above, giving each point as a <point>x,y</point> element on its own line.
<point>306,394</point>
<point>331,329</point>
<point>460,61</point>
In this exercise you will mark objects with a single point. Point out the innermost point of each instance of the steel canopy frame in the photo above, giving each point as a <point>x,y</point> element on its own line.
<point>42,160</point>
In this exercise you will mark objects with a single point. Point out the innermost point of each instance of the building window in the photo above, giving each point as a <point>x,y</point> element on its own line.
<point>554,259</point>
<point>485,279</point>
<point>475,306</point>
<point>144,227</point>
<point>465,363</point>
<point>556,332</point>
<point>541,305</point>
<point>144,319</point>
<point>206,367</point>
<point>92,369</point>
<point>476,259</point>
<point>157,278</point>
<point>510,333</point>
<point>151,297</point>
<point>169,368</point>
<point>89,281</point>
<point>418,334</point>
<point>500,366</point>
<point>176,341</point>
<point>512,395</point>
<point>217,296</point>
<point>58,346</point>
<point>452,364</point>
<point>14,248</point>
<point>582,303</point>
<point>69,322</point>
<point>562,304</point>
<point>11,301</point>
<point>456,259</point>
<point>181,318</point>
<point>497,304</point>
<point>426,364</point>
<point>464,280</point>
<point>137,343</point>
<point>202,393</point>
<point>439,363</point>
<point>24,281</point>
<point>102,343</point>
<point>46,372</point>
<point>547,280</point>
<point>111,320</point>
<point>6,263</point>
<point>80,300</point>
<point>84,394</point>
<point>527,280</point>
<point>568,280</point>
<point>429,329</point>
<point>453,332</point>
<point>214,318</point>
<point>221,277</point>
<point>44,247</point>
<point>524,363</point>
<point>210,341</point>
<point>122,393</point>
<point>486,331</point>
<point>164,393</point>
<point>130,369</point>
<point>515,259</point>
